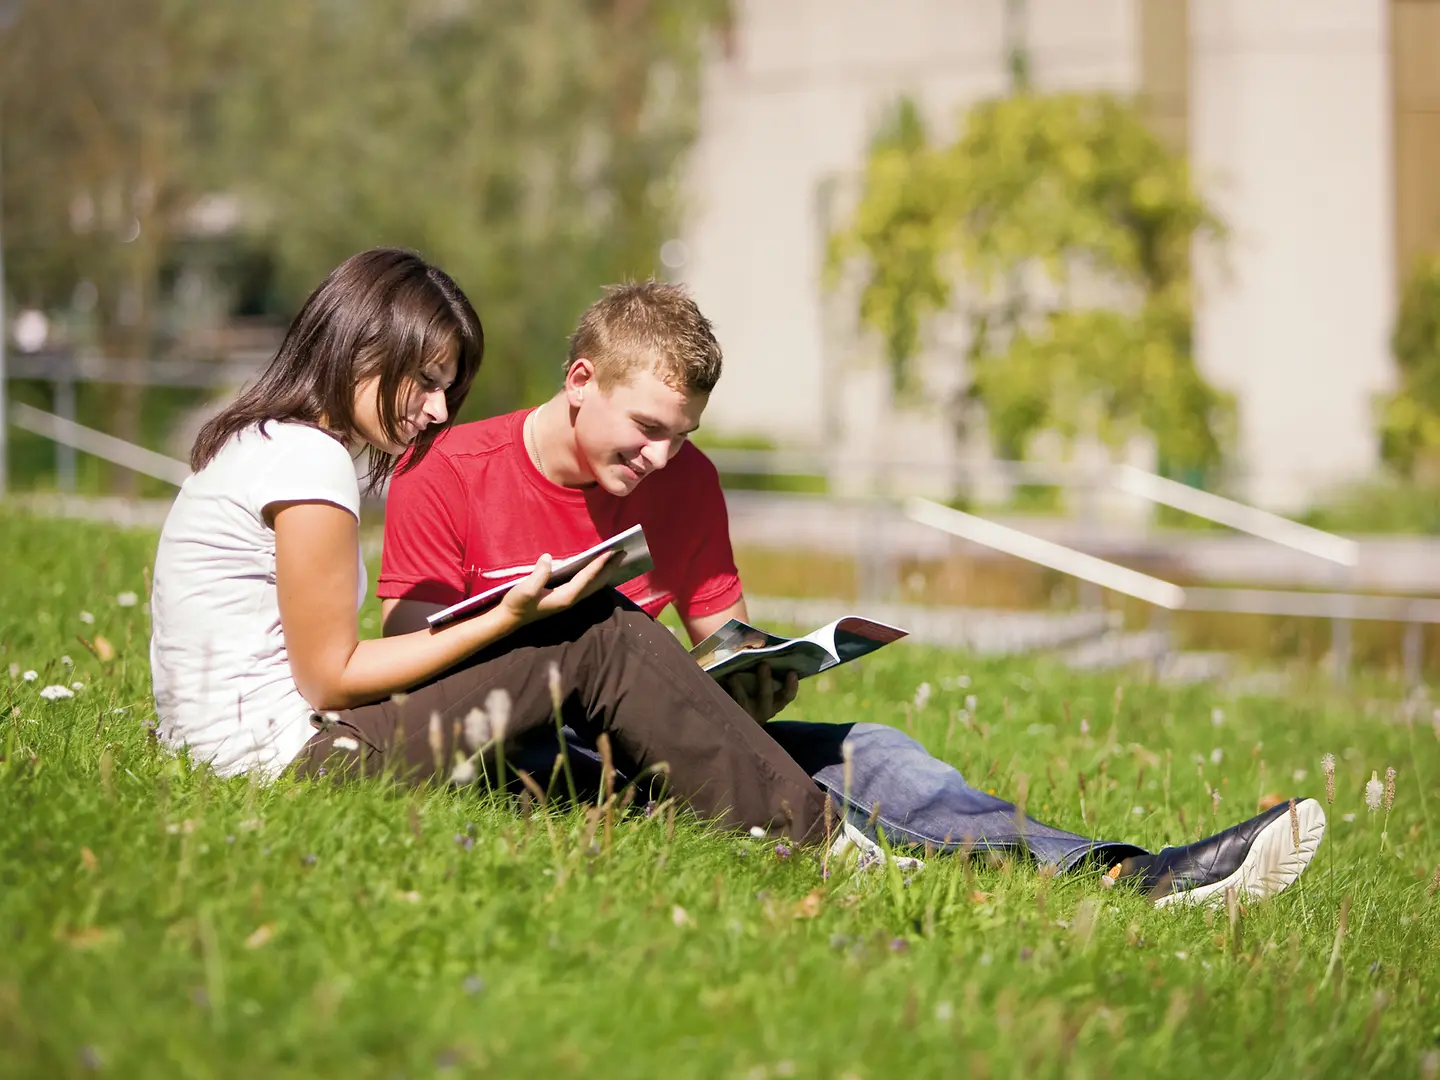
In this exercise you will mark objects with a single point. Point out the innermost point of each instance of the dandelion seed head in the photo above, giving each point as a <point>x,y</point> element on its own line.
<point>126,599</point>
<point>56,693</point>
<point>1374,792</point>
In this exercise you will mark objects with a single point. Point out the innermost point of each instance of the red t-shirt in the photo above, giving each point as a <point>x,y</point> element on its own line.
<point>476,507</point>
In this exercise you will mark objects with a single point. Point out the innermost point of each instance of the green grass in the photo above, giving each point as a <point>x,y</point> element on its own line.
<point>157,921</point>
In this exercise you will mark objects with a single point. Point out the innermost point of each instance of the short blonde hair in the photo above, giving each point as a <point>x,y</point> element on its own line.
<point>648,325</point>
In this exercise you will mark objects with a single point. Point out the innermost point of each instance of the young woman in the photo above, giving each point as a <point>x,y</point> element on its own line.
<point>255,651</point>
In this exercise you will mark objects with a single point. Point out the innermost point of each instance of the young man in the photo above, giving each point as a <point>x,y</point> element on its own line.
<point>609,451</point>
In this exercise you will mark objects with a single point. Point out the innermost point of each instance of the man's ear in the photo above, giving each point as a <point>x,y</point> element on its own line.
<point>579,381</point>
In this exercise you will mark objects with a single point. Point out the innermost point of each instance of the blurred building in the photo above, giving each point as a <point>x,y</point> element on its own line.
<point>1312,125</point>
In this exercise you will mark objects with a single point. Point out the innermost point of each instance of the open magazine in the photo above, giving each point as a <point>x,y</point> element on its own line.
<point>738,647</point>
<point>634,560</point>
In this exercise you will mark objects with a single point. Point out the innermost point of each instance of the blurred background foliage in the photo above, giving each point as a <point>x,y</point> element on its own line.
<point>1062,227</point>
<point>1410,417</point>
<point>174,167</point>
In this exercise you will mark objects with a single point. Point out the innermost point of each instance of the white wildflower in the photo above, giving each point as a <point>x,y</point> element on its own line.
<point>464,770</point>
<point>922,695</point>
<point>680,917</point>
<point>1374,791</point>
<point>971,703</point>
<point>344,742</point>
<point>1217,717</point>
<point>1084,726</point>
<point>77,686</point>
<point>126,599</point>
<point>31,676</point>
<point>477,729</point>
<point>757,832</point>
<point>67,661</point>
<point>944,1011</point>
<point>1348,818</point>
<point>963,682</point>
<point>55,693</point>
<point>1216,756</point>
<point>1299,776</point>
<point>497,704</point>
<point>87,618</point>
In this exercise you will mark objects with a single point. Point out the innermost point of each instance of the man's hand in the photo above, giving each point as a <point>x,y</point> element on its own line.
<point>759,694</point>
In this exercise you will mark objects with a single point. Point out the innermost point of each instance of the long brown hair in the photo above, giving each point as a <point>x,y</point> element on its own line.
<point>383,311</point>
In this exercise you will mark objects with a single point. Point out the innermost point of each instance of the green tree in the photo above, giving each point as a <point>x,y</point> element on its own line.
<point>531,147</point>
<point>106,141</point>
<point>1063,228</point>
<point>528,146</point>
<point>1409,419</point>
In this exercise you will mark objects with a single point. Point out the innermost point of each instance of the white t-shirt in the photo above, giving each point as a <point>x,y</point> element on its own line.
<point>221,673</point>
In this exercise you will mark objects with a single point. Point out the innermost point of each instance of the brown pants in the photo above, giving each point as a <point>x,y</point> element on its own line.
<point>620,673</point>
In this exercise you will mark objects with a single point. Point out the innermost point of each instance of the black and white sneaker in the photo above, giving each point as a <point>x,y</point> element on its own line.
<point>1258,858</point>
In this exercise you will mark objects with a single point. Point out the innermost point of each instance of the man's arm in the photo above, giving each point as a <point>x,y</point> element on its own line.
<point>757,692</point>
<point>699,627</point>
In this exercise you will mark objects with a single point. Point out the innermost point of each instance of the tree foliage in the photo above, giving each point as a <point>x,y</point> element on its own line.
<point>1063,227</point>
<point>1409,419</point>
<point>528,146</point>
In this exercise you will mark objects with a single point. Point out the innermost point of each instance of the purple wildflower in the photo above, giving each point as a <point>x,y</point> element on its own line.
<point>782,851</point>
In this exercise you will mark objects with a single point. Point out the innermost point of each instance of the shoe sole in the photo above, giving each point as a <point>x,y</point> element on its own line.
<point>1272,863</point>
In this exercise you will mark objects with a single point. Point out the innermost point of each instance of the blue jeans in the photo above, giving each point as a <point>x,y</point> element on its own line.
<point>922,801</point>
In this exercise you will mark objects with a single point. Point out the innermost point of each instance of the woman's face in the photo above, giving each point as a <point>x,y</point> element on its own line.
<point>422,403</point>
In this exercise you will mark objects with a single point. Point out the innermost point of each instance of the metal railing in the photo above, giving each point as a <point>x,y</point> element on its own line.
<point>1339,607</point>
<point>66,432</point>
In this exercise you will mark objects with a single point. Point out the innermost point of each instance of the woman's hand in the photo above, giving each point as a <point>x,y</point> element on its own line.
<point>530,599</point>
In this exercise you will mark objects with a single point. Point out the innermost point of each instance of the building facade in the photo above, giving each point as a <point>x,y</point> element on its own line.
<point>1313,126</point>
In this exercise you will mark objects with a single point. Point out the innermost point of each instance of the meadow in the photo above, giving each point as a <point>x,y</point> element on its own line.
<point>156,920</point>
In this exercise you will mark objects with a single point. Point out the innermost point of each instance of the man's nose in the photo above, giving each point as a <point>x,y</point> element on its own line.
<point>657,454</point>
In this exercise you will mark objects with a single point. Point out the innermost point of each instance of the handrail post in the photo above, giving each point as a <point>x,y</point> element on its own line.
<point>1412,648</point>
<point>64,388</point>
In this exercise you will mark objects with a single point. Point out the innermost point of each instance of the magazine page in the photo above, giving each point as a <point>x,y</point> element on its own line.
<point>853,637</point>
<point>738,646</point>
<point>632,561</point>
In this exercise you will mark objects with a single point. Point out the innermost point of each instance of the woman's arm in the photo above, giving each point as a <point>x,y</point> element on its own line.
<point>315,578</point>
